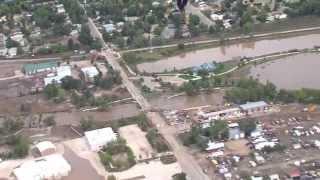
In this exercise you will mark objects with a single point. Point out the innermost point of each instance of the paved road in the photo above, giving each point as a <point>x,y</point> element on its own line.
<point>188,164</point>
<point>231,38</point>
<point>190,9</point>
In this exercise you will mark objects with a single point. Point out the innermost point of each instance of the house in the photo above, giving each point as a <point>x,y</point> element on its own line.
<point>90,73</point>
<point>12,52</point>
<point>109,28</point>
<point>253,107</point>
<point>31,69</point>
<point>274,177</point>
<point>61,72</point>
<point>256,178</point>
<point>98,138</point>
<point>45,148</point>
<point>209,67</point>
<point>18,36</point>
<point>60,9</point>
<point>216,17</point>
<point>47,167</point>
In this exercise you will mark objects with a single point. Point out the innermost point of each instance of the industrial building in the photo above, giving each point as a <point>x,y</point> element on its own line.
<point>58,75</point>
<point>31,69</point>
<point>52,167</point>
<point>98,138</point>
<point>254,107</point>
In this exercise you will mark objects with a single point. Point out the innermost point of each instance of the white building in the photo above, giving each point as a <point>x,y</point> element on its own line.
<point>60,9</point>
<point>109,28</point>
<point>216,17</point>
<point>254,107</point>
<point>46,148</point>
<point>48,167</point>
<point>100,137</point>
<point>214,146</point>
<point>61,72</point>
<point>223,114</point>
<point>90,72</point>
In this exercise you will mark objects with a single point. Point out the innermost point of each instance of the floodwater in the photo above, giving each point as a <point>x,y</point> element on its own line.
<point>230,52</point>
<point>113,113</point>
<point>293,72</point>
<point>184,101</point>
<point>81,168</point>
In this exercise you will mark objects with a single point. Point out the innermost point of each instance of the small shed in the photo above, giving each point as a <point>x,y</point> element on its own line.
<point>46,148</point>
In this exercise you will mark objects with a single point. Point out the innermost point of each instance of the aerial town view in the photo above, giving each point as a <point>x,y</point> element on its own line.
<point>159,89</point>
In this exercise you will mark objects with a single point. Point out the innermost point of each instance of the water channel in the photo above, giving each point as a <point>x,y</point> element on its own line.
<point>229,52</point>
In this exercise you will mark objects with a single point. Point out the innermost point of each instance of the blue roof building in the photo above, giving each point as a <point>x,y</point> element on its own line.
<point>205,66</point>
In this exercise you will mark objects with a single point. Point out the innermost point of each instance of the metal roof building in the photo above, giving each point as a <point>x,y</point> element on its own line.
<point>48,167</point>
<point>30,69</point>
<point>253,105</point>
<point>62,72</point>
<point>100,137</point>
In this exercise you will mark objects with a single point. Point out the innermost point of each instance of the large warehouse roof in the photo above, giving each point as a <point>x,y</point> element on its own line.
<point>48,167</point>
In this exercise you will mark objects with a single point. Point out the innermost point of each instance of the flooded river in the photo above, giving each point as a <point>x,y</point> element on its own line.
<point>294,72</point>
<point>184,101</point>
<point>229,52</point>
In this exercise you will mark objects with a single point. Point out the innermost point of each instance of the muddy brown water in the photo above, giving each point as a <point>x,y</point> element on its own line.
<point>229,52</point>
<point>184,101</point>
<point>81,168</point>
<point>293,72</point>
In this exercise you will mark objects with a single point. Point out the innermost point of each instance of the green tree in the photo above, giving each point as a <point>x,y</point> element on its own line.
<point>49,121</point>
<point>194,20</point>
<point>112,177</point>
<point>179,176</point>
<point>69,83</point>
<point>87,124</point>
<point>84,36</point>
<point>247,126</point>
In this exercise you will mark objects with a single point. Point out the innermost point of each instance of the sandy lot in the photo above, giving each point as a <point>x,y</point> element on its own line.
<point>154,170</point>
<point>238,147</point>
<point>83,161</point>
<point>137,141</point>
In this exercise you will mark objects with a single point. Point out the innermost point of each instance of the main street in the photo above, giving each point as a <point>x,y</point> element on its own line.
<point>187,162</point>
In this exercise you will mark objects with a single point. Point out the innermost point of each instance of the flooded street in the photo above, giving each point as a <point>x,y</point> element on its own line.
<point>295,72</point>
<point>114,112</point>
<point>184,101</point>
<point>81,168</point>
<point>229,52</point>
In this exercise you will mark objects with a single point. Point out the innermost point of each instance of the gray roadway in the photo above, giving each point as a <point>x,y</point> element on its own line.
<point>187,162</point>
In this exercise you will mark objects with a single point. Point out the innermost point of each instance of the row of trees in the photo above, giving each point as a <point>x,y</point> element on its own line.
<point>252,90</point>
<point>302,8</point>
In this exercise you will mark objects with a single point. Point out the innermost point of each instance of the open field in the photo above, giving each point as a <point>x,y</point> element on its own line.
<point>137,141</point>
<point>238,147</point>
